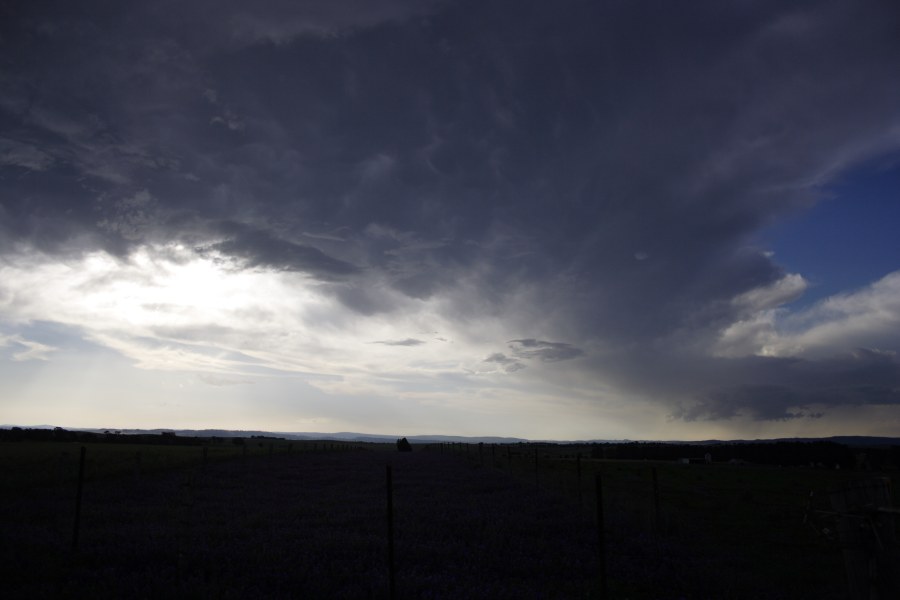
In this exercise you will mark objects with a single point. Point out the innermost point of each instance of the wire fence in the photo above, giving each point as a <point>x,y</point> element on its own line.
<point>808,532</point>
<point>442,531</point>
<point>785,522</point>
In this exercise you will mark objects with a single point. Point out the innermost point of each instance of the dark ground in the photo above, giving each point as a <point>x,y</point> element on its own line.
<point>313,525</point>
<point>300,526</point>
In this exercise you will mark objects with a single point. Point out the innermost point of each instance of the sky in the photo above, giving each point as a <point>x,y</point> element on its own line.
<point>551,220</point>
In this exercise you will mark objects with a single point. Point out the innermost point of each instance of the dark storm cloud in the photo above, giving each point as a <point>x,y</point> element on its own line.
<point>261,249</point>
<point>612,160</point>
<point>761,388</point>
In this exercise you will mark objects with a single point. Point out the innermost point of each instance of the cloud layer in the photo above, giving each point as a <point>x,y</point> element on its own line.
<point>429,197</point>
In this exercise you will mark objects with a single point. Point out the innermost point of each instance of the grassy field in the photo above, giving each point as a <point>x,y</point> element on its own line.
<point>32,464</point>
<point>311,523</point>
<point>717,530</point>
<point>300,525</point>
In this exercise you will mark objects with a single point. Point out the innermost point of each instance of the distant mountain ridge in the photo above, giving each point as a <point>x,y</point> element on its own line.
<point>848,440</point>
<point>291,435</point>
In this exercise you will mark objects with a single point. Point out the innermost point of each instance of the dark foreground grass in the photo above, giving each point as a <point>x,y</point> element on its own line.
<point>313,525</point>
<point>300,526</point>
<point>704,531</point>
<point>28,464</point>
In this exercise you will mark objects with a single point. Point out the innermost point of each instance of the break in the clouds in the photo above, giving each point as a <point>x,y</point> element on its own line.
<point>573,195</point>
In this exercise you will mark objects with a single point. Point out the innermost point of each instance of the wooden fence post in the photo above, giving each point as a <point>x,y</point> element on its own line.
<point>656,516</point>
<point>61,468</point>
<point>578,480</point>
<point>77,525</point>
<point>868,538</point>
<point>601,536</point>
<point>392,578</point>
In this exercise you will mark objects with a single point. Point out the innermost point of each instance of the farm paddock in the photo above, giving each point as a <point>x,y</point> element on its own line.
<point>313,525</point>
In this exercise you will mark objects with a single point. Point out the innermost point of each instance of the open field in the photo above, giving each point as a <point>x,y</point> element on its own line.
<point>298,525</point>
<point>33,463</point>
<point>468,525</point>
<point>697,531</point>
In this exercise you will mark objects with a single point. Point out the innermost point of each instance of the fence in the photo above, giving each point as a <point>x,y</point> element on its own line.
<point>654,513</point>
<point>867,532</point>
<point>182,521</point>
<point>759,512</point>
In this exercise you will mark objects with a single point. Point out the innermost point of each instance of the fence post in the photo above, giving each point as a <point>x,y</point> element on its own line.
<point>77,525</point>
<point>536,479</point>
<point>578,480</point>
<point>656,516</point>
<point>869,541</point>
<point>61,468</point>
<point>137,465</point>
<point>392,579</point>
<point>601,536</point>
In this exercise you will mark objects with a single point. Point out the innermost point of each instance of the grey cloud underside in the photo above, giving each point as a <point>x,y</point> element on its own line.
<point>262,249</point>
<point>406,342</point>
<point>532,349</point>
<point>508,364</point>
<point>761,388</point>
<point>544,351</point>
<point>612,159</point>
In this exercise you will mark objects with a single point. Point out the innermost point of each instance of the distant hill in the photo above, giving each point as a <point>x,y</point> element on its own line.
<point>854,440</point>
<point>291,435</point>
